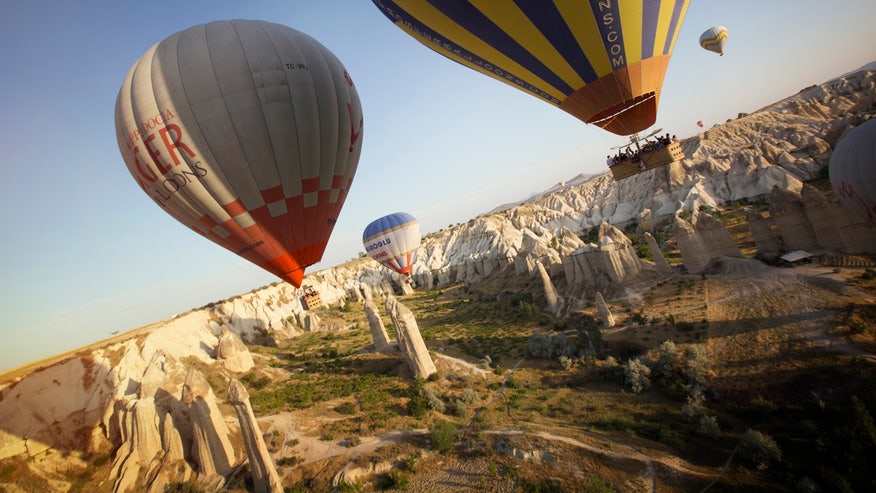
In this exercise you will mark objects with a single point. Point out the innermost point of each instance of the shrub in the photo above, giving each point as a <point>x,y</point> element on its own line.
<point>395,480</point>
<point>433,400</point>
<point>442,436</point>
<point>759,449</point>
<point>347,487</point>
<point>546,346</point>
<point>598,485</point>
<point>698,366</point>
<point>417,407</point>
<point>346,408</point>
<point>459,408</point>
<point>637,375</point>
<point>709,426</point>
<point>566,363</point>
<point>667,357</point>
<point>527,310</point>
<point>470,396</point>
<point>694,407</point>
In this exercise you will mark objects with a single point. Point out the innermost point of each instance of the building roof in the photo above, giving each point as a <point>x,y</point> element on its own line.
<point>796,256</point>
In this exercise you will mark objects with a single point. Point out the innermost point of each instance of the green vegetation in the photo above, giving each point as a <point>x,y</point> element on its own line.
<point>443,436</point>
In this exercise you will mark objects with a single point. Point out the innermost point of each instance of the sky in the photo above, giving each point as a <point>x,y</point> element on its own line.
<point>85,252</point>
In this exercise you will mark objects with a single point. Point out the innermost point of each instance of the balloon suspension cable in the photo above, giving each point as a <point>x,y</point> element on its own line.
<point>615,115</point>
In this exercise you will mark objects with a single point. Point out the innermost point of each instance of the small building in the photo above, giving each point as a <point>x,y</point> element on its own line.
<point>311,298</point>
<point>797,257</point>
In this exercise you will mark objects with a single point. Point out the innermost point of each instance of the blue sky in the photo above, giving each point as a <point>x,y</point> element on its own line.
<point>84,252</point>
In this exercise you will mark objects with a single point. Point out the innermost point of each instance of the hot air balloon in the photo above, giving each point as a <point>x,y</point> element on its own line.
<point>852,171</point>
<point>701,124</point>
<point>249,133</point>
<point>602,62</point>
<point>714,39</point>
<point>393,241</point>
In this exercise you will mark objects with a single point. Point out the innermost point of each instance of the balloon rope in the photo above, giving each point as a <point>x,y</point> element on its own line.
<point>609,117</point>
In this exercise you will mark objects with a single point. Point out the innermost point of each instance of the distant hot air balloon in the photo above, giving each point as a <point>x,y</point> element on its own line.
<point>602,62</point>
<point>853,171</point>
<point>700,124</point>
<point>249,133</point>
<point>393,241</point>
<point>714,39</point>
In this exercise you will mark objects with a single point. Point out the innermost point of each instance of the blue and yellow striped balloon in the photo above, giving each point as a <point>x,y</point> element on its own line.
<point>603,61</point>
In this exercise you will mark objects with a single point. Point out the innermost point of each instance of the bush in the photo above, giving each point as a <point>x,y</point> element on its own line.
<point>459,408</point>
<point>598,485</point>
<point>395,480</point>
<point>470,396</point>
<point>694,407</point>
<point>417,407</point>
<point>698,366</point>
<point>709,427</point>
<point>346,408</point>
<point>637,375</point>
<point>546,346</point>
<point>442,436</point>
<point>566,363</point>
<point>433,400</point>
<point>667,357</point>
<point>759,449</point>
<point>527,310</point>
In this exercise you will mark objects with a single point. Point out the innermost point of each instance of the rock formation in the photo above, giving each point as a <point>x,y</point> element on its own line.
<point>611,262</point>
<point>378,331</point>
<point>701,243</point>
<point>261,465</point>
<point>233,352</point>
<point>657,254</point>
<point>310,322</point>
<point>768,244</point>
<point>715,238</point>
<point>534,250</point>
<point>693,254</point>
<point>410,342</point>
<point>787,213</point>
<point>211,447</point>
<point>550,292</point>
<point>604,312</point>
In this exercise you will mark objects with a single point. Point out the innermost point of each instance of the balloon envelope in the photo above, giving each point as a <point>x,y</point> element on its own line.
<point>602,62</point>
<point>700,124</point>
<point>852,171</point>
<point>714,39</point>
<point>393,241</point>
<point>249,133</point>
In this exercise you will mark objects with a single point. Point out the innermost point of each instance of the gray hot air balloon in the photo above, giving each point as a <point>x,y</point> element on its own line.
<point>249,133</point>
<point>853,171</point>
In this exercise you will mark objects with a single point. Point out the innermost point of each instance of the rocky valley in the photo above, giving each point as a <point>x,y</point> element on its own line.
<point>650,334</point>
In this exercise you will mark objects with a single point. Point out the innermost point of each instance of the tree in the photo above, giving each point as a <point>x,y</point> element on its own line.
<point>667,357</point>
<point>637,375</point>
<point>709,426</point>
<point>759,448</point>
<point>442,436</point>
<point>698,366</point>
<point>695,405</point>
